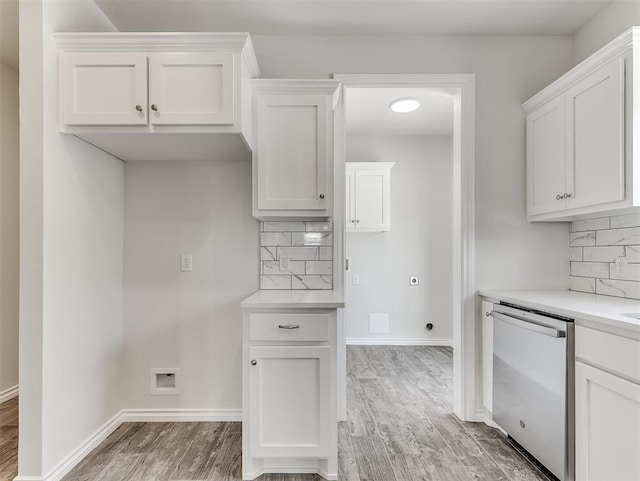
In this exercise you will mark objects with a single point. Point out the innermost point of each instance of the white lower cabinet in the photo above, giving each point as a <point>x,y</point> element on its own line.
<point>607,426</point>
<point>289,393</point>
<point>289,401</point>
<point>607,407</point>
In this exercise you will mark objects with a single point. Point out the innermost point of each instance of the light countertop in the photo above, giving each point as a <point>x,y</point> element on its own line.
<point>293,300</point>
<point>589,310</point>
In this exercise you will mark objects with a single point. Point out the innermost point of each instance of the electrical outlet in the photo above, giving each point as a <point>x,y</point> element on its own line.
<point>620,266</point>
<point>285,263</point>
<point>414,281</point>
<point>355,280</point>
<point>186,263</point>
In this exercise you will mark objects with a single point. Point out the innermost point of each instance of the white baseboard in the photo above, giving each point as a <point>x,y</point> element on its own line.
<point>181,415</point>
<point>8,394</point>
<point>78,454</point>
<point>357,341</point>
<point>28,478</point>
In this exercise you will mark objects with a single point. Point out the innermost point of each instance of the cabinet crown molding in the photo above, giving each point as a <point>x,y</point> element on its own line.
<point>369,165</point>
<point>629,40</point>
<point>297,86</point>
<point>161,42</point>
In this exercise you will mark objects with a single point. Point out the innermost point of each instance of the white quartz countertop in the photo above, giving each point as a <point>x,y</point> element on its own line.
<point>590,310</point>
<point>294,300</point>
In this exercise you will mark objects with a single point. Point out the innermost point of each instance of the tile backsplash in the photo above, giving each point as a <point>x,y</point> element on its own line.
<point>594,246</point>
<point>296,255</point>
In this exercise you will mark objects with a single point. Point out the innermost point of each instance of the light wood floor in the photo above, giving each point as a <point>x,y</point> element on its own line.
<point>9,440</point>
<point>399,428</point>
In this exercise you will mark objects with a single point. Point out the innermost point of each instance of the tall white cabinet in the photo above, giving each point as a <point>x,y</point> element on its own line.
<point>583,151</point>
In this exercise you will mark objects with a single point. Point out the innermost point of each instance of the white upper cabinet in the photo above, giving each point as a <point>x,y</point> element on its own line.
<point>583,154</point>
<point>191,88</point>
<point>293,159</point>
<point>104,89</point>
<point>194,84</point>
<point>546,150</point>
<point>368,196</point>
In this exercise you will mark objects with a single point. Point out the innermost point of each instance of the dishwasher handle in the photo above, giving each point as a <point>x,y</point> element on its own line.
<point>530,326</point>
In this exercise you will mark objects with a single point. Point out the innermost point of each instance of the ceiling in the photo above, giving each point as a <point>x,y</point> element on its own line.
<point>368,112</point>
<point>355,17</point>
<point>9,33</point>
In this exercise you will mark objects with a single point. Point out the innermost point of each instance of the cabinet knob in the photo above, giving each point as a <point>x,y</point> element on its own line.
<point>357,222</point>
<point>322,196</point>
<point>559,197</point>
<point>154,107</point>
<point>566,196</point>
<point>254,362</point>
<point>139,108</point>
<point>488,314</point>
<point>353,221</point>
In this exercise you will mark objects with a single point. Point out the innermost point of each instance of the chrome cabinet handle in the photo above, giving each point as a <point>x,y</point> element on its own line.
<point>154,107</point>
<point>322,196</point>
<point>289,326</point>
<point>254,362</point>
<point>566,196</point>
<point>488,314</point>
<point>559,197</point>
<point>139,108</point>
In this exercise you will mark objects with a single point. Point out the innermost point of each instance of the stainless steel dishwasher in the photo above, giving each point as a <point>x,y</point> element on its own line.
<point>533,384</point>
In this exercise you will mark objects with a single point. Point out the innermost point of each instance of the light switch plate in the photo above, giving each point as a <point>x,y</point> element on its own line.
<point>186,263</point>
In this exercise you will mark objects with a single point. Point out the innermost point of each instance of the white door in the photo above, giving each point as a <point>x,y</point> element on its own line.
<point>350,200</point>
<point>487,356</point>
<point>104,88</point>
<point>546,151</point>
<point>607,426</point>
<point>289,401</point>
<point>293,151</point>
<point>595,147</point>
<point>191,88</point>
<point>372,188</point>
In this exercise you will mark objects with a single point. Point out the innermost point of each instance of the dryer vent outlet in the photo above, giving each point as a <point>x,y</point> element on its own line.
<point>165,381</point>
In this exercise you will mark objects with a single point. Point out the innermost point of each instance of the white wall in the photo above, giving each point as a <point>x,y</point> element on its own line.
<point>604,27</point>
<point>72,220</point>
<point>9,227</point>
<point>419,243</point>
<point>191,321</point>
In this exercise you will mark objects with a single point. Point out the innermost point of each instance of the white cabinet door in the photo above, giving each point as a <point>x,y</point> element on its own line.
<point>293,152</point>
<point>289,399</point>
<point>191,88</point>
<point>372,203</point>
<point>104,88</point>
<point>368,195</point>
<point>546,151</point>
<point>595,147</point>
<point>607,426</point>
<point>487,356</point>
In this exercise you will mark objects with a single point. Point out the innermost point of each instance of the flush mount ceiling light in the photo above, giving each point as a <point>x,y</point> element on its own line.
<point>404,105</point>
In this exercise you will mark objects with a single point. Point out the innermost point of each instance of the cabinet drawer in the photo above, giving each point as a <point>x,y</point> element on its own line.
<point>288,327</point>
<point>617,354</point>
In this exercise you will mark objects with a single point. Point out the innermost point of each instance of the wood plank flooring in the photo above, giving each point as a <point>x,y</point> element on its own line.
<point>9,440</point>
<point>400,428</point>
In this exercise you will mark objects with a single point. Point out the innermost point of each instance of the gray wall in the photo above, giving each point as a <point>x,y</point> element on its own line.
<point>419,242</point>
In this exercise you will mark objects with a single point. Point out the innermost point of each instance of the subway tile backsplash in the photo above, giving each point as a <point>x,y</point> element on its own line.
<point>309,249</point>
<point>594,246</point>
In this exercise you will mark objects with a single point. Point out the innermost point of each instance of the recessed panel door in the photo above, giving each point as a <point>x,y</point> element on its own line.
<point>191,88</point>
